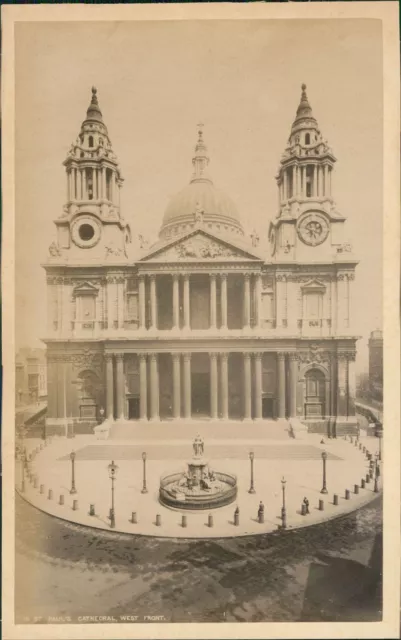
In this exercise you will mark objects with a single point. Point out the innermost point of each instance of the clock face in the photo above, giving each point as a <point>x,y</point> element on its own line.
<point>313,229</point>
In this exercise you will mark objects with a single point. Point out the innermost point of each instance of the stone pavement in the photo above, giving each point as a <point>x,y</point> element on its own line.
<point>299,461</point>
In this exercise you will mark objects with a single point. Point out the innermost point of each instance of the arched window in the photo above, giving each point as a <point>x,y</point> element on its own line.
<point>307,138</point>
<point>91,141</point>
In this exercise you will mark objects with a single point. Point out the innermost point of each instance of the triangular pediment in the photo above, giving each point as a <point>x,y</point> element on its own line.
<point>199,246</point>
<point>86,288</point>
<point>314,285</point>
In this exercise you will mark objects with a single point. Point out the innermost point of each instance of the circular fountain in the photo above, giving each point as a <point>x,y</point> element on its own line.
<point>199,487</point>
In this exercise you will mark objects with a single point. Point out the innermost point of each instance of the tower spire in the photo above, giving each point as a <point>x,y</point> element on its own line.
<point>93,112</point>
<point>201,159</point>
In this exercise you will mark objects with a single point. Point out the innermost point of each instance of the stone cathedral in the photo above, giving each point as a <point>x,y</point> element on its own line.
<point>204,324</point>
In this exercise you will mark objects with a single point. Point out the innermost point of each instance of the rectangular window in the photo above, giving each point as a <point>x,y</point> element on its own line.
<point>313,306</point>
<point>87,308</point>
<point>132,308</point>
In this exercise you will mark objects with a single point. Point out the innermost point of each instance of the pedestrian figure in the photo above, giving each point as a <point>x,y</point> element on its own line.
<point>306,503</point>
<point>261,512</point>
<point>322,441</point>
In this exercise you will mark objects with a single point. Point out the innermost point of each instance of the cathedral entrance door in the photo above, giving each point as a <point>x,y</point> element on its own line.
<point>133,408</point>
<point>268,407</point>
<point>315,394</point>
<point>200,394</point>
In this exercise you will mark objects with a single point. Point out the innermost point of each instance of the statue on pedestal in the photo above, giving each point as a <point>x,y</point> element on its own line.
<point>198,447</point>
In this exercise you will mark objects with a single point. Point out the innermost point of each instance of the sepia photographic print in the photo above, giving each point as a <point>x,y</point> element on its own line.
<point>200,321</point>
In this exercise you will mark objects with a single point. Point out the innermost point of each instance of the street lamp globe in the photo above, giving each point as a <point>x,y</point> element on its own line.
<point>113,468</point>
<point>144,456</point>
<point>251,455</point>
<point>72,456</point>
<point>283,482</point>
<point>324,455</point>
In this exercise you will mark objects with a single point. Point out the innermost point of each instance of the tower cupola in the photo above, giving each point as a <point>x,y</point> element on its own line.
<point>307,163</point>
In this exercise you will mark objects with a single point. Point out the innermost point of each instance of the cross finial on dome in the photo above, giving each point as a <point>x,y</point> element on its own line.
<point>94,96</point>
<point>200,126</point>
<point>303,87</point>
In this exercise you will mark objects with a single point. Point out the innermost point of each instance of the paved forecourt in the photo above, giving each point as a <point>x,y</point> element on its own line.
<point>298,461</point>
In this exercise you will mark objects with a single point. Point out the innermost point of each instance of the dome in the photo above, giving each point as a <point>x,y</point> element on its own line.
<point>200,202</point>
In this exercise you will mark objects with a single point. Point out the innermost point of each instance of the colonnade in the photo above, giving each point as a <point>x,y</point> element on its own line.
<point>219,385</point>
<point>297,174</point>
<point>252,287</point>
<point>86,181</point>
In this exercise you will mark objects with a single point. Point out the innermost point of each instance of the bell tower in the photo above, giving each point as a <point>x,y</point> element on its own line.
<point>91,226</point>
<point>307,216</point>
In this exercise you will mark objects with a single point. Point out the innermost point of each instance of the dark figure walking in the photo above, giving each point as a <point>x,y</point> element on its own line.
<point>306,503</point>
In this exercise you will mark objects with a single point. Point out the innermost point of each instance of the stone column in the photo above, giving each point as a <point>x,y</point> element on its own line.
<point>154,387</point>
<point>326,180</point>
<point>281,384</point>
<point>258,299</point>
<point>285,184</point>
<point>120,386</point>
<point>104,183</point>
<point>342,365</point>
<point>112,187</point>
<point>223,300</point>
<point>109,386</point>
<point>142,303</point>
<point>247,387</point>
<point>224,385</point>
<point>303,178</point>
<point>187,320</point>
<point>247,300</point>
<point>143,387</point>
<point>258,385</point>
<point>351,383</point>
<point>79,184</point>
<point>314,190</point>
<point>153,302</point>
<point>84,190</point>
<point>187,386</point>
<point>176,301</point>
<point>176,385</point>
<point>121,301</point>
<point>294,180</point>
<point>213,301</point>
<point>293,384</point>
<point>213,386</point>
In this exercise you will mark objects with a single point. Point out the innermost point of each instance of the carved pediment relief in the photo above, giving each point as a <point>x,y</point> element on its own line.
<point>199,247</point>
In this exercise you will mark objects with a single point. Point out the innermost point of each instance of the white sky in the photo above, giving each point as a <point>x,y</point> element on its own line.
<point>155,82</point>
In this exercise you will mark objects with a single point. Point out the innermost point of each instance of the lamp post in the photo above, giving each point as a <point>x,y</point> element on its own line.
<point>72,458</point>
<point>283,509</point>
<point>324,458</point>
<point>251,458</point>
<point>144,489</point>
<point>113,468</point>
<point>380,434</point>
<point>23,463</point>
<point>376,487</point>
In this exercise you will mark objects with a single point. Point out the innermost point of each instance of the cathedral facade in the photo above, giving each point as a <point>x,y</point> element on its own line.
<point>205,323</point>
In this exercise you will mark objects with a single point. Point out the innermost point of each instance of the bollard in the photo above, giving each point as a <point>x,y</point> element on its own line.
<point>35,482</point>
<point>360,446</point>
<point>50,494</point>
<point>321,505</point>
<point>303,509</point>
<point>42,488</point>
<point>210,521</point>
<point>184,521</point>
<point>92,510</point>
<point>347,494</point>
<point>356,488</point>
<point>75,505</point>
<point>364,449</point>
<point>158,520</point>
<point>236,517</point>
<point>134,518</point>
<point>367,478</point>
<point>363,483</point>
<point>61,500</point>
<point>335,500</point>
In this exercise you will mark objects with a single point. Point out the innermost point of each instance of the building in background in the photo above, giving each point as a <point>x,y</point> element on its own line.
<point>30,376</point>
<point>376,365</point>
<point>206,323</point>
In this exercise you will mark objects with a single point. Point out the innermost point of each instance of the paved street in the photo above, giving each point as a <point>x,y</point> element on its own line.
<point>330,572</point>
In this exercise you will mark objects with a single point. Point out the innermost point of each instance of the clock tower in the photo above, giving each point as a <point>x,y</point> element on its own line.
<point>308,226</point>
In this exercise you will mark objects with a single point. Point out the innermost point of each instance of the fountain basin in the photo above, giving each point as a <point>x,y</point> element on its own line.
<point>174,494</point>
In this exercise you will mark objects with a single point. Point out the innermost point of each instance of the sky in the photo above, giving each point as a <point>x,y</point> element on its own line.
<point>156,81</point>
